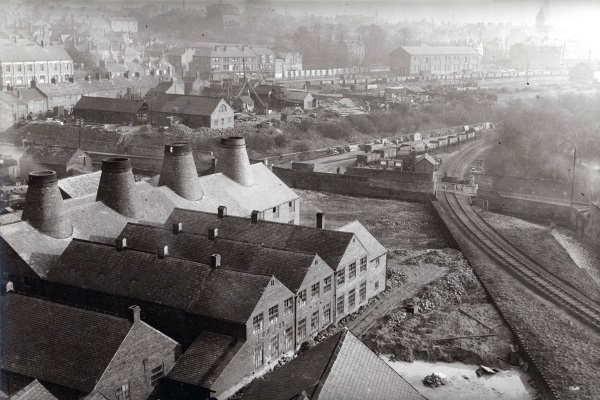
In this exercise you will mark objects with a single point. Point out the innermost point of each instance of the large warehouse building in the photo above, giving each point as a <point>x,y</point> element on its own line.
<point>423,60</point>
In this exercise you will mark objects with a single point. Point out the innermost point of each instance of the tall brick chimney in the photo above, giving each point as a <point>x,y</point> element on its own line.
<point>179,171</point>
<point>44,208</point>
<point>234,162</point>
<point>117,186</point>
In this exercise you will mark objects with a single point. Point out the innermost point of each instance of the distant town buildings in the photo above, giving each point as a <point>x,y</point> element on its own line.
<point>288,64</point>
<point>442,60</point>
<point>233,62</point>
<point>223,16</point>
<point>123,24</point>
<point>19,65</point>
<point>535,57</point>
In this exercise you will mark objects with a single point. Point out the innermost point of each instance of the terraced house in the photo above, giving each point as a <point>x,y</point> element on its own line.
<point>233,61</point>
<point>19,65</point>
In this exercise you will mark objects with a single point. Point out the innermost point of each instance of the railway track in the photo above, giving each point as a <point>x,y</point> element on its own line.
<point>530,272</point>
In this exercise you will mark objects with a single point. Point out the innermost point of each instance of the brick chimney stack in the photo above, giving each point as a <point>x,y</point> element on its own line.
<point>179,173</point>
<point>44,208</point>
<point>117,186</point>
<point>234,162</point>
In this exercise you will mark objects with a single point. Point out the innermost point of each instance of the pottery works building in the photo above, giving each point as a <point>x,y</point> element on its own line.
<point>443,60</point>
<point>111,111</point>
<point>19,65</point>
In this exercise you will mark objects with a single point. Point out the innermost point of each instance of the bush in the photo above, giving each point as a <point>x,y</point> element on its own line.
<point>261,142</point>
<point>301,146</point>
<point>281,140</point>
<point>334,130</point>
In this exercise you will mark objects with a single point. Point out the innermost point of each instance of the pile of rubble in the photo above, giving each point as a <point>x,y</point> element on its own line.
<point>395,277</point>
<point>434,380</point>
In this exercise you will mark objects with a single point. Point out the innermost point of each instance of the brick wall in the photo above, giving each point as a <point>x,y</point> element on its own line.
<point>353,254</point>
<point>344,184</point>
<point>143,350</point>
<point>397,176</point>
<point>520,207</point>
<point>535,187</point>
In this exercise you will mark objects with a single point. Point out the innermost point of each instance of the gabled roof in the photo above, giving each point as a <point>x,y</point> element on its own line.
<point>83,87</point>
<point>191,105</point>
<point>16,53</point>
<point>294,95</point>
<point>108,104</point>
<point>77,352</point>
<point>206,359</point>
<point>341,367</point>
<point>50,155</point>
<point>129,273</point>
<point>290,267</point>
<point>426,157</point>
<point>31,94</point>
<point>440,50</point>
<point>34,391</point>
<point>329,245</point>
<point>80,185</point>
<point>374,248</point>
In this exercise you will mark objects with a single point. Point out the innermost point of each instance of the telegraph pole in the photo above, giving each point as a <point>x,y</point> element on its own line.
<point>573,178</point>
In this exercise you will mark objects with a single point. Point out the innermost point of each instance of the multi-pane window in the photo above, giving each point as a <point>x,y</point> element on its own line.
<point>19,68</point>
<point>292,205</point>
<point>156,374</point>
<point>276,212</point>
<point>258,356</point>
<point>362,293</point>
<point>288,306</point>
<point>326,313</point>
<point>289,338</point>
<point>314,321</point>
<point>363,264</point>
<point>275,346</point>
<point>273,314</point>
<point>315,291</point>
<point>351,299</point>
<point>377,263</point>
<point>257,323</point>
<point>122,393</point>
<point>352,271</point>
<point>302,298</point>
<point>340,277</point>
<point>327,284</point>
<point>30,67</point>
<point>302,329</point>
<point>340,305</point>
<point>8,68</point>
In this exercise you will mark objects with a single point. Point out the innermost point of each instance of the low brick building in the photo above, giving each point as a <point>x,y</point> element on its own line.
<point>86,352</point>
<point>111,111</point>
<point>193,111</point>
<point>64,161</point>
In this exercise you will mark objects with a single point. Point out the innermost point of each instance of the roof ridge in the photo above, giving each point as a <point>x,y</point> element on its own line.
<point>329,365</point>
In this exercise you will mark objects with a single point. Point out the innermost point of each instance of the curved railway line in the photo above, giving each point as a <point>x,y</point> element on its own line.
<point>528,270</point>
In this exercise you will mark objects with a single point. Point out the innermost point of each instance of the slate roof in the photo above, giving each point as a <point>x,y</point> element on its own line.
<point>34,391</point>
<point>132,274</point>
<point>328,244</point>
<point>206,359</point>
<point>77,352</point>
<point>108,104</point>
<point>30,94</point>
<point>374,248</point>
<point>341,367</point>
<point>80,185</point>
<point>287,266</point>
<point>49,155</point>
<point>440,50</point>
<point>191,105</point>
<point>426,157</point>
<point>83,87</point>
<point>296,95</point>
<point>15,53</point>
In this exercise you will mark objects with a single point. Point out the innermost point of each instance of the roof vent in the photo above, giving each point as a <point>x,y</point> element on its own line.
<point>177,227</point>
<point>234,162</point>
<point>215,260</point>
<point>44,208</point>
<point>163,251</point>
<point>179,173</point>
<point>117,186</point>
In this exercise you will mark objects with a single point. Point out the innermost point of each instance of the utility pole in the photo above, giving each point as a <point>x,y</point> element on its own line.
<point>573,177</point>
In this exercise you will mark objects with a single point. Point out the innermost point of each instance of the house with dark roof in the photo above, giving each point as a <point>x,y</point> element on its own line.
<point>166,86</point>
<point>64,161</point>
<point>111,111</point>
<point>180,58</point>
<point>360,268</point>
<point>299,98</point>
<point>341,367</point>
<point>426,164</point>
<point>194,112</point>
<point>19,65</point>
<point>86,351</point>
<point>181,298</point>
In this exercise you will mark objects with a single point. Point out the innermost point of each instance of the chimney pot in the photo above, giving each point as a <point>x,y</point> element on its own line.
<point>254,216</point>
<point>163,251</point>
<point>135,313</point>
<point>222,211</point>
<point>179,172</point>
<point>321,220</point>
<point>121,243</point>
<point>213,233</point>
<point>177,227</point>
<point>215,260</point>
<point>44,208</point>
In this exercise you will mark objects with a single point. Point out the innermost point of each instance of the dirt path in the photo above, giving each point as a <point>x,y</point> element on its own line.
<point>393,299</point>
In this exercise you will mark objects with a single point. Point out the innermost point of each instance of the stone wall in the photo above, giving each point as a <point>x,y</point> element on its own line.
<point>523,208</point>
<point>397,176</point>
<point>532,187</point>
